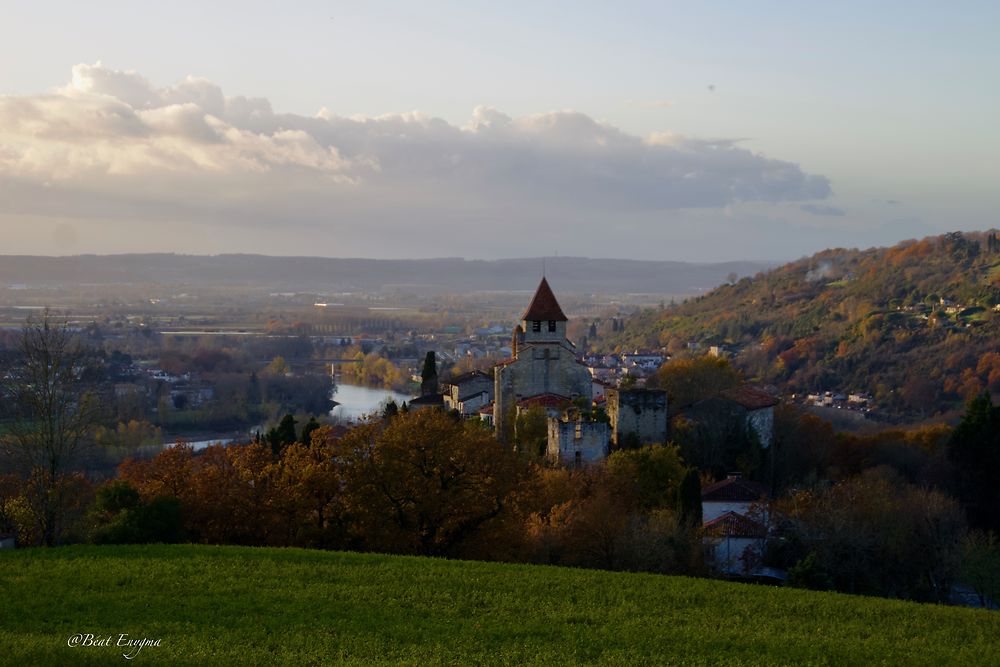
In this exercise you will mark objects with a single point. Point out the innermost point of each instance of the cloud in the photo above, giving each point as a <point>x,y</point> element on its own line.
<point>111,144</point>
<point>822,209</point>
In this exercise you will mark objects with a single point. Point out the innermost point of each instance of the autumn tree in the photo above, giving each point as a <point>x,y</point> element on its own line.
<point>688,381</point>
<point>423,482</point>
<point>654,473</point>
<point>308,493</point>
<point>52,421</point>
<point>875,534</point>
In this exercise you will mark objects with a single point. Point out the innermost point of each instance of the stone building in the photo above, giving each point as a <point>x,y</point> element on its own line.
<point>638,416</point>
<point>468,393</point>
<point>543,362</point>
<point>576,442</point>
<point>759,410</point>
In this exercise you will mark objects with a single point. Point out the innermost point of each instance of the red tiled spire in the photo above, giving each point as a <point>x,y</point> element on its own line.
<point>544,305</point>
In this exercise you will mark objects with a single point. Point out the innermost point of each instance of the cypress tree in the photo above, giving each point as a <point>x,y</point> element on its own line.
<point>690,499</point>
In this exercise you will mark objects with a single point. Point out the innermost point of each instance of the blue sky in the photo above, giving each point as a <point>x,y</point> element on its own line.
<point>894,107</point>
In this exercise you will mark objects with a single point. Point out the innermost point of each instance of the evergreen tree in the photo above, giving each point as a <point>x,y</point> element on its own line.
<point>690,499</point>
<point>975,449</point>
<point>390,410</point>
<point>429,375</point>
<point>307,431</point>
<point>283,434</point>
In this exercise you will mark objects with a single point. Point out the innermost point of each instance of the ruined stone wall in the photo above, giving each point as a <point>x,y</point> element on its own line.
<point>639,411</point>
<point>573,443</point>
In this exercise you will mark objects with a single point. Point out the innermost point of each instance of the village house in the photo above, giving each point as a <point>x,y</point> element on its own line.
<point>734,518</point>
<point>468,392</point>
<point>733,494</point>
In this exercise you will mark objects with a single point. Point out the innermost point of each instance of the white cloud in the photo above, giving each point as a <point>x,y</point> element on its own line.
<point>111,143</point>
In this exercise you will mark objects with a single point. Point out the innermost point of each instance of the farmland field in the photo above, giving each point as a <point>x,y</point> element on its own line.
<point>250,606</point>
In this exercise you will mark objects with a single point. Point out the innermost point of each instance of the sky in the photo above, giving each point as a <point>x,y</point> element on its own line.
<point>681,131</point>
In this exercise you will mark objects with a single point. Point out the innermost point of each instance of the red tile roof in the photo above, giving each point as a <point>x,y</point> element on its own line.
<point>750,397</point>
<point>732,524</point>
<point>544,400</point>
<point>734,489</point>
<point>544,305</point>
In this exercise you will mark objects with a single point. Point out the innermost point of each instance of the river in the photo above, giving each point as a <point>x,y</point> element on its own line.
<point>356,401</point>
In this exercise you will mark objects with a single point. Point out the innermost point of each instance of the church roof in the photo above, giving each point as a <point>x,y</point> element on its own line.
<point>544,305</point>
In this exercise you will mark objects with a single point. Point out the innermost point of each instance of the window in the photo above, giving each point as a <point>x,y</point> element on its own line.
<point>536,326</point>
<point>552,326</point>
<point>578,459</point>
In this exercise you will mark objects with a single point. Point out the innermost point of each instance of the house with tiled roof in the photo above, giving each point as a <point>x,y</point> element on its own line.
<point>746,410</point>
<point>734,542</point>
<point>733,494</point>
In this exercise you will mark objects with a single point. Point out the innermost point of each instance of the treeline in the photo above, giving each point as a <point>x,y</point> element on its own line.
<point>871,520</point>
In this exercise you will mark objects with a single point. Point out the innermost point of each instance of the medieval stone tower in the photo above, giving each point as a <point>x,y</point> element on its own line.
<point>544,361</point>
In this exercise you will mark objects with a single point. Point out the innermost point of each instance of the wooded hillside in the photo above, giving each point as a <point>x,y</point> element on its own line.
<point>916,325</point>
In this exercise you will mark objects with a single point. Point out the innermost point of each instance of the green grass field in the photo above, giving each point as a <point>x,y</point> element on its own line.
<point>244,606</point>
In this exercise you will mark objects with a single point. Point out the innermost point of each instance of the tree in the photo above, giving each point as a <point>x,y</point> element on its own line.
<point>429,375</point>
<point>975,449</point>
<point>688,381</point>
<point>53,418</point>
<point>654,472</point>
<point>981,565</point>
<point>689,501</point>
<point>424,483</point>
<point>531,431</point>
<point>282,434</point>
<point>307,430</point>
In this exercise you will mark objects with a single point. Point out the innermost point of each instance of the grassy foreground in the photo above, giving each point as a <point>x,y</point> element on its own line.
<point>247,606</point>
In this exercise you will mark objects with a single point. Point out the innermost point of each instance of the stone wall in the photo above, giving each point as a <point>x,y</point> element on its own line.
<point>639,411</point>
<point>538,369</point>
<point>575,443</point>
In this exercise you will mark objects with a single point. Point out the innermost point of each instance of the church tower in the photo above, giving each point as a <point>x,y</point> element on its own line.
<point>543,368</point>
<point>543,320</point>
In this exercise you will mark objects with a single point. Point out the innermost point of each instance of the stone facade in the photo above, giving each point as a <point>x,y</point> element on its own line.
<point>642,412</point>
<point>468,393</point>
<point>761,421</point>
<point>544,362</point>
<point>576,443</point>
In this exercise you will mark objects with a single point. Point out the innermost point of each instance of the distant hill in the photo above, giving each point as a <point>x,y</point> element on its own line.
<point>915,324</point>
<point>257,606</point>
<point>449,275</point>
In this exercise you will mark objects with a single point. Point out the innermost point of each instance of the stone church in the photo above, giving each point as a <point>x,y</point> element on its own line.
<point>543,368</point>
<point>544,371</point>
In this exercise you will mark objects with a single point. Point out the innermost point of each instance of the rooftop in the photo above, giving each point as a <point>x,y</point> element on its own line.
<point>734,488</point>
<point>732,524</point>
<point>750,397</point>
<point>543,305</point>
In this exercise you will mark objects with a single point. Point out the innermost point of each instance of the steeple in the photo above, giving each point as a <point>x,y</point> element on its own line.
<point>543,306</point>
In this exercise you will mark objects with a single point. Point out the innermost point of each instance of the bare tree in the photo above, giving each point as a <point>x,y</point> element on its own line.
<point>52,418</point>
